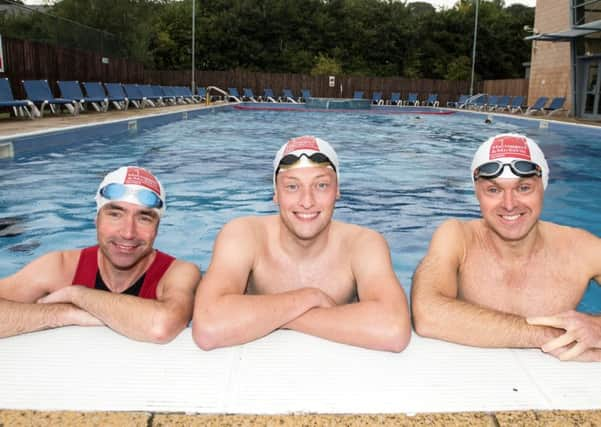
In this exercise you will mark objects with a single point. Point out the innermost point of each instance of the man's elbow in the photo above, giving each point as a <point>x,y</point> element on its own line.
<point>205,334</point>
<point>424,321</point>
<point>398,337</point>
<point>166,329</point>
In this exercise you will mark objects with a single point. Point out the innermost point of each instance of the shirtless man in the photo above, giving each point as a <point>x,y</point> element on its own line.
<point>509,279</point>
<point>126,285</point>
<point>300,269</point>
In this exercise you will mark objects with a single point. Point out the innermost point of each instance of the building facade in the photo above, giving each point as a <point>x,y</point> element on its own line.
<point>566,55</point>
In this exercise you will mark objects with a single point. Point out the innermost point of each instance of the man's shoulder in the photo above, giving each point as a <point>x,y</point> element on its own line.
<point>248,226</point>
<point>566,234</point>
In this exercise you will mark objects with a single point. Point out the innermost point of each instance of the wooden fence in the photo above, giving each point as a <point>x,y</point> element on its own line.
<point>26,60</point>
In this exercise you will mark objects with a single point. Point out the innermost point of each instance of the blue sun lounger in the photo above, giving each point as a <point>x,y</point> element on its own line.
<point>150,95</point>
<point>460,103</point>
<point>38,92</point>
<point>556,106</point>
<point>248,95</point>
<point>70,89</point>
<point>395,98</point>
<point>501,103</point>
<point>305,94</point>
<point>537,107</point>
<point>288,96</point>
<point>358,94</point>
<point>412,99</point>
<point>376,98</point>
<point>116,95</point>
<point>516,104</point>
<point>432,100</point>
<point>20,107</point>
<point>135,96</point>
<point>233,94</point>
<point>268,95</point>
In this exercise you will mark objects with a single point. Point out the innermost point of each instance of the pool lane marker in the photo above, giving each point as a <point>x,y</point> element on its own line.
<point>132,125</point>
<point>7,150</point>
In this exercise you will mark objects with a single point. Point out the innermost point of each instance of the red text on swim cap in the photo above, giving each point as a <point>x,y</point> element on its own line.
<point>139,176</point>
<point>514,147</point>
<point>301,143</point>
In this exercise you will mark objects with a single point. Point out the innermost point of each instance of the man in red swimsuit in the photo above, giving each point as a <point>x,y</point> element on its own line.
<point>123,282</point>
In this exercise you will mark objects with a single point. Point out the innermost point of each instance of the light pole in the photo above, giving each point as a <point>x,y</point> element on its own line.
<point>193,83</point>
<point>474,49</point>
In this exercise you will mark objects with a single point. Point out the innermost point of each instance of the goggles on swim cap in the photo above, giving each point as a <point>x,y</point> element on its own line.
<point>291,159</point>
<point>520,168</point>
<point>145,197</point>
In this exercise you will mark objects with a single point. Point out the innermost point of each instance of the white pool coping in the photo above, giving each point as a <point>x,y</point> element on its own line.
<point>95,369</point>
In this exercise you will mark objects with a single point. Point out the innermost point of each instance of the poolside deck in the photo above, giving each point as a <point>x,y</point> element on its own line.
<point>285,378</point>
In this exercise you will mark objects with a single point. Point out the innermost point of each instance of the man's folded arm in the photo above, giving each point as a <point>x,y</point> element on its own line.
<point>438,313</point>
<point>380,318</point>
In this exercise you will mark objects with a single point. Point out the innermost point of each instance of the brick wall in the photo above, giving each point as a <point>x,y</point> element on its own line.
<point>550,73</point>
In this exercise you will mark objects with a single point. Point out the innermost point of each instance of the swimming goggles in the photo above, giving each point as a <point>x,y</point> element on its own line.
<point>291,159</point>
<point>143,196</point>
<point>521,168</point>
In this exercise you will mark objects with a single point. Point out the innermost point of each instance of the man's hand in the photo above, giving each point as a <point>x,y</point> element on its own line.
<point>76,316</point>
<point>581,340</point>
<point>62,295</point>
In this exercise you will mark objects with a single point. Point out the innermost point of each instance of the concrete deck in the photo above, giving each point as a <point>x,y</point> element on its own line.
<point>142,419</point>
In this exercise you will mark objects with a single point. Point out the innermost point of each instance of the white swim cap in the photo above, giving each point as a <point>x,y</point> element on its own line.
<point>508,147</point>
<point>304,147</point>
<point>132,184</point>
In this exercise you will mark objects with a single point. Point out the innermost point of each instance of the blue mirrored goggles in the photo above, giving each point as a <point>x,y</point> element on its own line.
<point>145,197</point>
<point>521,168</point>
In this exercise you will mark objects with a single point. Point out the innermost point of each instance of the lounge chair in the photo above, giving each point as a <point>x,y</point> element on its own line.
<point>70,89</point>
<point>169,95</point>
<point>116,95</point>
<point>478,102</point>
<point>537,107</point>
<point>501,104</point>
<point>460,103</point>
<point>556,106</point>
<point>95,95</point>
<point>188,95</point>
<point>248,95</point>
<point>38,92</point>
<point>516,104</point>
<point>395,98</point>
<point>305,94</point>
<point>135,96</point>
<point>20,107</point>
<point>358,94</point>
<point>288,96</point>
<point>151,95</point>
<point>432,100</point>
<point>490,103</point>
<point>268,95</point>
<point>376,98</point>
<point>412,99</point>
<point>201,92</point>
<point>233,94</point>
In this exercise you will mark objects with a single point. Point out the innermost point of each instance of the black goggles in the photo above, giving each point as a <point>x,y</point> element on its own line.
<point>521,168</point>
<point>290,159</point>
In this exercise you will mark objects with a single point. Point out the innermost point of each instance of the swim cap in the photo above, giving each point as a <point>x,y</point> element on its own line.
<point>136,180</point>
<point>304,147</point>
<point>508,147</point>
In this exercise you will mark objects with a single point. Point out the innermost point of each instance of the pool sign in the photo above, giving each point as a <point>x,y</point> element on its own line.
<point>1,57</point>
<point>332,81</point>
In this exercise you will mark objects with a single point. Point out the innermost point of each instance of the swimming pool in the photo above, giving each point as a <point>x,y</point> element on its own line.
<point>400,174</point>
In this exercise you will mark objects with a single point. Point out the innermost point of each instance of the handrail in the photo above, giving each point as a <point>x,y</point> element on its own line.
<point>226,95</point>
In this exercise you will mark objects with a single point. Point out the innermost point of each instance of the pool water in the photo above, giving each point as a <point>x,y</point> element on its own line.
<point>400,174</point>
